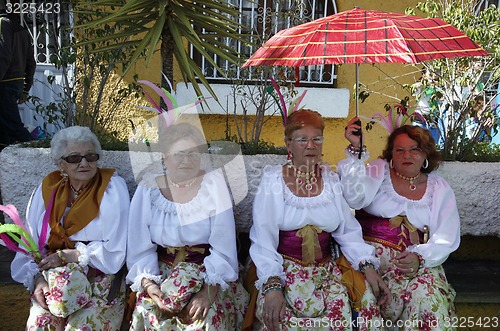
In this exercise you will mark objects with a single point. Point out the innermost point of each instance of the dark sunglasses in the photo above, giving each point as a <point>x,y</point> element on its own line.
<point>90,157</point>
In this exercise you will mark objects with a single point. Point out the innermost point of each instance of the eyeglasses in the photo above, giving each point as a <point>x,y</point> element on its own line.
<point>180,156</point>
<point>302,141</point>
<point>413,151</point>
<point>76,158</point>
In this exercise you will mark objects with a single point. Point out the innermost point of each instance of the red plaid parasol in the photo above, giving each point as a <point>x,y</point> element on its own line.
<point>365,36</point>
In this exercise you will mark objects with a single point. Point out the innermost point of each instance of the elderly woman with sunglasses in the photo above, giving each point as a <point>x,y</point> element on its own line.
<point>298,212</point>
<point>182,256</point>
<point>409,214</point>
<point>77,285</point>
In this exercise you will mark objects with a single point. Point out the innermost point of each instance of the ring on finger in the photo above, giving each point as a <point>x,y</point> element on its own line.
<point>411,269</point>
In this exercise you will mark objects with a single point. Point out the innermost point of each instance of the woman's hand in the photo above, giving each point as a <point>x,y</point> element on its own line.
<point>52,261</point>
<point>407,262</point>
<point>273,311</point>
<point>156,294</point>
<point>352,127</point>
<point>41,291</point>
<point>59,259</point>
<point>200,303</point>
<point>379,287</point>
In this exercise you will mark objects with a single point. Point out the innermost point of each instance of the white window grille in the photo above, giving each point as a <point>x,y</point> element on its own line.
<point>262,19</point>
<point>43,21</point>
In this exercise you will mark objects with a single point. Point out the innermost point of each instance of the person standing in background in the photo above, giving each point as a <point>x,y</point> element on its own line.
<point>17,68</point>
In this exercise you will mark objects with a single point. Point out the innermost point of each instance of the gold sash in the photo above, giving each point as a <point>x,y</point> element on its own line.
<point>398,221</point>
<point>311,249</point>
<point>181,252</point>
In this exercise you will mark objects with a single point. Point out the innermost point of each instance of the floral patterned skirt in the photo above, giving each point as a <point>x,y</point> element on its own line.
<point>96,314</point>
<point>423,301</point>
<point>316,300</point>
<point>227,311</point>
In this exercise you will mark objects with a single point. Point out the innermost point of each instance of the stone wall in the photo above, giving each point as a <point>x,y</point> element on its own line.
<point>476,185</point>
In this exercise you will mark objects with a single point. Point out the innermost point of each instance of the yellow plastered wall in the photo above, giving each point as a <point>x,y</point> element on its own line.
<point>375,77</point>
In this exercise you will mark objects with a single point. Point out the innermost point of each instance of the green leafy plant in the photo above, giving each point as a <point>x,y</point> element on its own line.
<point>460,91</point>
<point>95,94</point>
<point>147,24</point>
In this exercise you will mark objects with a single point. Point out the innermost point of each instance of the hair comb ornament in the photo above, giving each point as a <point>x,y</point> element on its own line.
<point>274,91</point>
<point>397,116</point>
<point>173,111</point>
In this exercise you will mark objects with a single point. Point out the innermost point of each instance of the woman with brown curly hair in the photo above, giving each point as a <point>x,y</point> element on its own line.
<point>409,214</point>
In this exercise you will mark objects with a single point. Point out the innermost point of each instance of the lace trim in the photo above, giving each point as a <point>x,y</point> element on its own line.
<point>215,280</point>
<point>84,258</point>
<point>388,189</point>
<point>200,202</point>
<point>365,259</point>
<point>136,286</point>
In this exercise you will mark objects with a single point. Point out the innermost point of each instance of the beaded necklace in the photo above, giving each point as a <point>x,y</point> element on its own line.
<point>174,184</point>
<point>309,176</point>
<point>412,186</point>
<point>76,192</point>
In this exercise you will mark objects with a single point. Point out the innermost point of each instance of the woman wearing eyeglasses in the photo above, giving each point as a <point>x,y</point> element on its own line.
<point>77,285</point>
<point>409,214</point>
<point>182,256</point>
<point>297,213</point>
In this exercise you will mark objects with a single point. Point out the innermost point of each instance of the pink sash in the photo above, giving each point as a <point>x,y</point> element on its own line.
<point>381,230</point>
<point>290,246</point>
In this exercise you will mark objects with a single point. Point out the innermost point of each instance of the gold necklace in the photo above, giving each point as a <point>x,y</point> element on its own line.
<point>76,192</point>
<point>309,176</point>
<point>412,187</point>
<point>171,182</point>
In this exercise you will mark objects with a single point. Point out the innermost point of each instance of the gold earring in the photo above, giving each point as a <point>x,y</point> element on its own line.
<point>64,176</point>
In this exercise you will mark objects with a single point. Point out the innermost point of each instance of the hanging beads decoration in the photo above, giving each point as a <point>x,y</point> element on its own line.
<point>411,180</point>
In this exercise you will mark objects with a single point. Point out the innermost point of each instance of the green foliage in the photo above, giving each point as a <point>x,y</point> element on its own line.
<point>481,152</point>
<point>460,91</point>
<point>108,142</point>
<point>260,147</point>
<point>81,102</point>
<point>144,24</point>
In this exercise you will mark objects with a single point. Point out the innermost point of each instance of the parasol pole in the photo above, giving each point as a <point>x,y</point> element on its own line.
<point>356,89</point>
<point>358,132</point>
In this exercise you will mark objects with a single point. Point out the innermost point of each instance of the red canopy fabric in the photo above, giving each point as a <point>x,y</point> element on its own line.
<point>365,36</point>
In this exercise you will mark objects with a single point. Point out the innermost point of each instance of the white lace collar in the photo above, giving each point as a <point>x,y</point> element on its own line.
<point>324,198</point>
<point>200,202</point>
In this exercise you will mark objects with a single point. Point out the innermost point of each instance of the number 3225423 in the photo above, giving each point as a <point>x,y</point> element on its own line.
<point>482,322</point>
<point>33,8</point>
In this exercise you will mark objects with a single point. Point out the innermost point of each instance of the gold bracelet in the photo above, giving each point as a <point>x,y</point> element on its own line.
<point>146,284</point>
<point>61,257</point>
